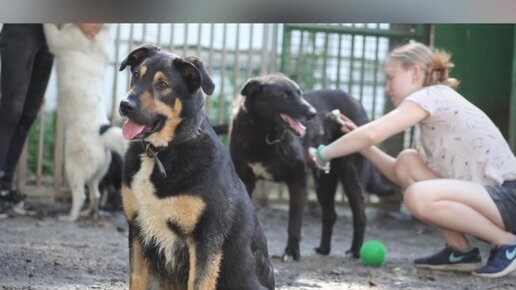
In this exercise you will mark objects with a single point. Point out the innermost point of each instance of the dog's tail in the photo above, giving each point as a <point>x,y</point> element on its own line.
<point>112,138</point>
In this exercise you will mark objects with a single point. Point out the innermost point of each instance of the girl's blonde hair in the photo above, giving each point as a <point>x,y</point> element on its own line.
<point>436,64</point>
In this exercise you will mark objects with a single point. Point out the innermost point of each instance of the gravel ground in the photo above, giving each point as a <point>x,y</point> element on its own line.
<point>45,253</point>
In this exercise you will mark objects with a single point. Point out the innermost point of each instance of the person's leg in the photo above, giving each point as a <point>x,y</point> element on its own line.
<point>409,169</point>
<point>17,57</point>
<point>502,259</point>
<point>34,99</point>
<point>458,207</point>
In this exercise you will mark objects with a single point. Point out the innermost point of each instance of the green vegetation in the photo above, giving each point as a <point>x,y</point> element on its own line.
<point>49,140</point>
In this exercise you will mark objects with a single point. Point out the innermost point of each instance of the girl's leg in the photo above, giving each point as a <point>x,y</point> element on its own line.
<point>454,207</point>
<point>458,206</point>
<point>410,168</point>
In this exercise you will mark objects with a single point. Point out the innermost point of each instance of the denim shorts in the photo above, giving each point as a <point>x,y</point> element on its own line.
<point>504,197</point>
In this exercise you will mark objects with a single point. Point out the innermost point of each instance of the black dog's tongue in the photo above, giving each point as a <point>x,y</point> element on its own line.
<point>294,124</point>
<point>131,129</point>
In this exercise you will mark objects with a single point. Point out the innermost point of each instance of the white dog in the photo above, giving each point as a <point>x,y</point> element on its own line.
<point>80,65</point>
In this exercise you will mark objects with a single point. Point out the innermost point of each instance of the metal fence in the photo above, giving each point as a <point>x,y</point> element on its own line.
<point>346,56</point>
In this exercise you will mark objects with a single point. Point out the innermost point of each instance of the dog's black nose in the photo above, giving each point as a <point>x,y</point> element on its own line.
<point>126,106</point>
<point>311,113</point>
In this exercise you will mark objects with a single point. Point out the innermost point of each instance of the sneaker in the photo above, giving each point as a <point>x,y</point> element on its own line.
<point>502,261</point>
<point>23,208</point>
<point>17,203</point>
<point>450,259</point>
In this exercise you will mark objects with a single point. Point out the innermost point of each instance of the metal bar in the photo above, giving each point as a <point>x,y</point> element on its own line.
<point>144,32</point>
<point>171,44</point>
<point>273,63</point>
<point>58,155</point>
<point>265,47</point>
<point>339,56</point>
<point>131,36</point>
<point>185,43</point>
<point>114,96</point>
<point>236,68</point>
<point>362,69</point>
<point>325,61</point>
<point>250,53</point>
<point>41,145</point>
<point>512,110</point>
<point>301,61</point>
<point>158,38</point>
<point>351,60</point>
<point>423,33</point>
<point>222,97</point>
<point>199,43</point>
<point>285,66</point>
<point>131,40</point>
<point>375,78</point>
<point>314,59</point>
<point>210,67</point>
<point>356,31</point>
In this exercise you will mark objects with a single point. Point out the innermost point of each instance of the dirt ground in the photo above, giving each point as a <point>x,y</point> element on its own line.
<point>44,253</point>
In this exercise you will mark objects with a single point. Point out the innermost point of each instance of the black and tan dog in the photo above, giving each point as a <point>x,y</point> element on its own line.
<point>191,222</point>
<point>266,144</point>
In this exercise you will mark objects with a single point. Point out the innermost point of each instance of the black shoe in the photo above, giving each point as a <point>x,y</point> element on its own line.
<point>24,208</point>
<point>450,259</point>
<point>17,203</point>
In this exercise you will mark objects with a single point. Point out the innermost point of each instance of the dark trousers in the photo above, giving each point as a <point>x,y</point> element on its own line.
<point>26,66</point>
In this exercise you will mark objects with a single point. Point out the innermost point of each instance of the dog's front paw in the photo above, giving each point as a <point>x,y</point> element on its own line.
<point>354,253</point>
<point>322,251</point>
<point>291,254</point>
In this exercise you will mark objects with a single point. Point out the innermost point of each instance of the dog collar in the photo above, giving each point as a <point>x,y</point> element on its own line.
<point>152,152</point>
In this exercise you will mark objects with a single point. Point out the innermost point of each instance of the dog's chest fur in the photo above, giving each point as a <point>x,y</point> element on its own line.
<point>280,161</point>
<point>165,223</point>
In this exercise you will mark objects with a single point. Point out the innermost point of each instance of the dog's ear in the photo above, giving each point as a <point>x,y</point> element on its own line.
<point>251,87</point>
<point>195,75</point>
<point>136,56</point>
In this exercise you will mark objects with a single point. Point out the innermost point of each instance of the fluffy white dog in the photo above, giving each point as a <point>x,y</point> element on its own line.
<point>80,65</point>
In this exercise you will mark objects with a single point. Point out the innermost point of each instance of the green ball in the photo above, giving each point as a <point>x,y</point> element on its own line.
<point>373,253</point>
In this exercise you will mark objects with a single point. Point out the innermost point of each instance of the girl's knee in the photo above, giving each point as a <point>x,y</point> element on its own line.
<point>416,200</point>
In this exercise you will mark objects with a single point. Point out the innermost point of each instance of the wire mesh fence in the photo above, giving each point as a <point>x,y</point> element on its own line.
<point>342,56</point>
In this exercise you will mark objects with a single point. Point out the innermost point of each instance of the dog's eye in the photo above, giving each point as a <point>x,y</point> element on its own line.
<point>136,74</point>
<point>162,85</point>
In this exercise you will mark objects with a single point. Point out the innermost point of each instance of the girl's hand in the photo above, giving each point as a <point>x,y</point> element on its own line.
<point>349,125</point>
<point>312,155</point>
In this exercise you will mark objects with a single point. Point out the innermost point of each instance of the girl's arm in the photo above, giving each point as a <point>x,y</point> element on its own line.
<point>406,115</point>
<point>381,160</point>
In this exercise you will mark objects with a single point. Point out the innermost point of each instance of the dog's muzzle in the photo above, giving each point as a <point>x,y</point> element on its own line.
<point>127,106</point>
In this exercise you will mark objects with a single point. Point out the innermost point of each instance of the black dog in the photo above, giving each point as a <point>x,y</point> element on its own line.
<point>191,223</point>
<point>110,186</point>
<point>266,144</point>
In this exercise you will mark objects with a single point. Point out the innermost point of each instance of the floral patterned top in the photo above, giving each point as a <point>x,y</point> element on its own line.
<point>459,141</point>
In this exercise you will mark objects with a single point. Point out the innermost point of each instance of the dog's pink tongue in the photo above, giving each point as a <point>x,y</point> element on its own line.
<point>295,124</point>
<point>131,129</point>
